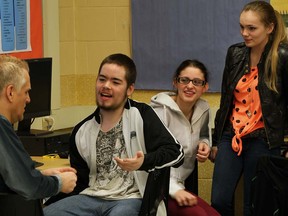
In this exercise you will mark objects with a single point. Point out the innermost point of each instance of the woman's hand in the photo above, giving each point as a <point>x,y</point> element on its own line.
<point>203,152</point>
<point>184,198</point>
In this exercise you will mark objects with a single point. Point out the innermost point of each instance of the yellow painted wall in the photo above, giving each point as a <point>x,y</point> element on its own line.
<point>280,5</point>
<point>89,31</point>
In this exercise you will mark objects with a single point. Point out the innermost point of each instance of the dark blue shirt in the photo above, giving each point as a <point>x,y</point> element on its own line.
<point>17,170</point>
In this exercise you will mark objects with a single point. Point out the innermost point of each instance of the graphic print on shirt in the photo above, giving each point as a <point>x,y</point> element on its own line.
<point>111,144</point>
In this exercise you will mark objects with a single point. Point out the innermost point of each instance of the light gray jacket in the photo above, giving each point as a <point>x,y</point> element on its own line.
<point>189,134</point>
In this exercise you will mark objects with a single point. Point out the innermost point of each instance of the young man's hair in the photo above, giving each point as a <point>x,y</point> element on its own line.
<point>12,71</point>
<point>124,61</point>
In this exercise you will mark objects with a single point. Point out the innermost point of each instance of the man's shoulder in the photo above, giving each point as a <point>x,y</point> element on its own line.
<point>89,118</point>
<point>137,104</point>
<point>142,109</point>
<point>3,119</point>
<point>5,125</point>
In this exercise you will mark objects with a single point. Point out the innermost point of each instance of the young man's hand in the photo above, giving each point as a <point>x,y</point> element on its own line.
<point>131,164</point>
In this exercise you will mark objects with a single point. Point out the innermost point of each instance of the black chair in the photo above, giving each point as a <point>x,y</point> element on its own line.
<point>191,183</point>
<point>269,191</point>
<point>16,205</point>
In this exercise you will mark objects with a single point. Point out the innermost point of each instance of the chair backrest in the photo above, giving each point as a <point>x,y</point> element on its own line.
<point>269,187</point>
<point>191,183</point>
<point>16,205</point>
<point>156,193</point>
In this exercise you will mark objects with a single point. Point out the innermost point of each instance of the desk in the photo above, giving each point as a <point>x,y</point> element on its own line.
<point>55,142</point>
<point>51,162</point>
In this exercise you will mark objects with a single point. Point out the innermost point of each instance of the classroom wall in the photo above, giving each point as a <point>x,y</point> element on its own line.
<point>89,31</point>
<point>78,39</point>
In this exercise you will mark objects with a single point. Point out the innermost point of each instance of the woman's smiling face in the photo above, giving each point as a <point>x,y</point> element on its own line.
<point>190,92</point>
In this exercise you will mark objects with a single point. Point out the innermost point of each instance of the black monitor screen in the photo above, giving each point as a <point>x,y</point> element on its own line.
<point>40,71</point>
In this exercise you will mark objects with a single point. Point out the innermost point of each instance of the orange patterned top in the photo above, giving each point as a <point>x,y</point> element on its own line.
<point>246,114</point>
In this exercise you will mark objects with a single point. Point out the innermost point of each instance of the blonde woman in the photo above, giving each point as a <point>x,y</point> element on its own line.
<point>252,115</point>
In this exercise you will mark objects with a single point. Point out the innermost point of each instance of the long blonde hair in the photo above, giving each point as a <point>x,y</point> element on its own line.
<point>270,16</point>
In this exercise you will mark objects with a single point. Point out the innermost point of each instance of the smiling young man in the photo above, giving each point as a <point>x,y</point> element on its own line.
<point>17,170</point>
<point>118,149</point>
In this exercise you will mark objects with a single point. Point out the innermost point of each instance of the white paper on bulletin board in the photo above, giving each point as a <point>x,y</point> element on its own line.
<point>15,26</point>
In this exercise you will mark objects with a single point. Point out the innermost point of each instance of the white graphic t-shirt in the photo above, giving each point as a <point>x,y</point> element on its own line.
<point>111,181</point>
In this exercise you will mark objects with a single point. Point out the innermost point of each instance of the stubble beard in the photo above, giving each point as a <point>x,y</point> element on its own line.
<point>112,107</point>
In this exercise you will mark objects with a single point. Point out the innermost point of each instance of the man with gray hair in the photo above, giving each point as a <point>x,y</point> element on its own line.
<point>17,171</point>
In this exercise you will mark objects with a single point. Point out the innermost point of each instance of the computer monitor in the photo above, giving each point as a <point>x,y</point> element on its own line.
<point>40,71</point>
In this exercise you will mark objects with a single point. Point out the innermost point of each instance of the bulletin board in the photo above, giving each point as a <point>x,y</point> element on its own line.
<point>21,28</point>
<point>167,32</point>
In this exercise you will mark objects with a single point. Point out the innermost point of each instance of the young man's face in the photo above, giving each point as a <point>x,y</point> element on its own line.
<point>111,87</point>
